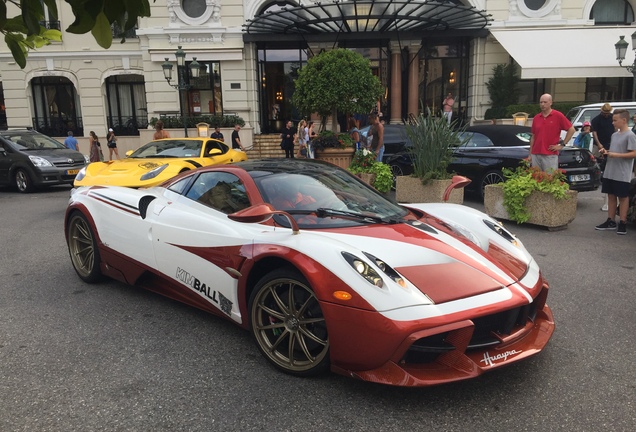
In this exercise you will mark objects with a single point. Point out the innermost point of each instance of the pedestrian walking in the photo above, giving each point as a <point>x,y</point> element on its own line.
<point>71,142</point>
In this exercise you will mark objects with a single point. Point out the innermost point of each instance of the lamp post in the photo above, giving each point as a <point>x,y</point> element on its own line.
<point>182,82</point>
<point>621,49</point>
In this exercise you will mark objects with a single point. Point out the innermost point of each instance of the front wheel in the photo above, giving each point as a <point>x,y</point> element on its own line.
<point>82,248</point>
<point>288,325</point>
<point>23,181</point>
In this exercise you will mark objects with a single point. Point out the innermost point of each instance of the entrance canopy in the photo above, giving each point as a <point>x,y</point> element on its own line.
<point>366,16</point>
<point>566,52</point>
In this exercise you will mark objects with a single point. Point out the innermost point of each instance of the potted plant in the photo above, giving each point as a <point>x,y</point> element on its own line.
<point>336,148</point>
<point>432,140</point>
<point>533,196</point>
<point>376,174</point>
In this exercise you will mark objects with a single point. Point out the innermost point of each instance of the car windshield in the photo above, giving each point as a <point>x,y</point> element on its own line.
<point>33,141</point>
<point>319,197</point>
<point>176,148</point>
<point>571,115</point>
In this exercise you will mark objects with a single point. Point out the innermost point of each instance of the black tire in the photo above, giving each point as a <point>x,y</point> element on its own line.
<point>288,325</point>
<point>491,177</point>
<point>82,247</point>
<point>396,170</point>
<point>22,181</point>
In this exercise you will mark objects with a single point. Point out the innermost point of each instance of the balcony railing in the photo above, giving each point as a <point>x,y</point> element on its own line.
<point>59,127</point>
<point>117,32</point>
<point>128,125</point>
<point>51,25</point>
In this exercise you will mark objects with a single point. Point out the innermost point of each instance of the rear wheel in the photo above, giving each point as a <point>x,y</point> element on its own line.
<point>23,181</point>
<point>288,325</point>
<point>491,177</point>
<point>82,248</point>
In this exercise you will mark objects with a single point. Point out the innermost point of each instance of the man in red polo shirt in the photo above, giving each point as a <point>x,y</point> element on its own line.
<point>546,131</point>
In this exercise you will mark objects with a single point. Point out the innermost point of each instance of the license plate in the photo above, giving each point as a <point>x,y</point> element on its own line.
<point>580,177</point>
<point>72,172</point>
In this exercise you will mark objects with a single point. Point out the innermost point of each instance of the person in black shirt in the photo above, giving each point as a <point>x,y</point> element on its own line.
<point>287,142</point>
<point>217,134</point>
<point>236,140</point>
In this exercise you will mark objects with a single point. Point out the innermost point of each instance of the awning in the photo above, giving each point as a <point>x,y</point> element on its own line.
<point>566,53</point>
<point>368,16</point>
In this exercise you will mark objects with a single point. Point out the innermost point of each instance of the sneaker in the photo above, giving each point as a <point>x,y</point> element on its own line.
<point>622,228</point>
<point>604,208</point>
<point>607,225</point>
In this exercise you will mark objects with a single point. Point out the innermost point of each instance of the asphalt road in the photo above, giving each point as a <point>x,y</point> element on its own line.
<point>78,357</point>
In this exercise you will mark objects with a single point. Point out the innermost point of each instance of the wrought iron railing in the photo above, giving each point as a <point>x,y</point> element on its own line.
<point>59,127</point>
<point>51,25</point>
<point>123,126</point>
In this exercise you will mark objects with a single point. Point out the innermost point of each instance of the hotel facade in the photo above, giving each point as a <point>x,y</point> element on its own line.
<point>249,52</point>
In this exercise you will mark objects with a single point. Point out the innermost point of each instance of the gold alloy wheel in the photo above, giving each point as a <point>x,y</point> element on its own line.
<point>289,326</point>
<point>82,248</point>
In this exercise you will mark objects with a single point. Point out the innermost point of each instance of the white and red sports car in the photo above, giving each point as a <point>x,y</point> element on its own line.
<point>324,271</point>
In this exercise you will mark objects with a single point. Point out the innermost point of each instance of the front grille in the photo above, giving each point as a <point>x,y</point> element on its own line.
<point>485,332</point>
<point>67,165</point>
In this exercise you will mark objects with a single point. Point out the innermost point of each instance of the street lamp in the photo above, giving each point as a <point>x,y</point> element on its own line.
<point>182,83</point>
<point>621,49</point>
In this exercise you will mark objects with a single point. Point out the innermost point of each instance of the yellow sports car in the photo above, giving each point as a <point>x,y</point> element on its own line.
<point>158,161</point>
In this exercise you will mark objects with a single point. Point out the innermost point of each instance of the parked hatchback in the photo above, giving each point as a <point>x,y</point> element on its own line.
<point>29,159</point>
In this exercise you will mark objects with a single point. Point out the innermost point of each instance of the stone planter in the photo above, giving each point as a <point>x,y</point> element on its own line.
<point>341,157</point>
<point>368,178</point>
<point>411,190</point>
<point>545,210</point>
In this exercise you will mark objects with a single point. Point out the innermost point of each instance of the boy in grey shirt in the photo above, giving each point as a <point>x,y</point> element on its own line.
<point>618,172</point>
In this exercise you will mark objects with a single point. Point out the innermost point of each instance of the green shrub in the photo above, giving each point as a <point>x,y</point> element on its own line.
<point>176,122</point>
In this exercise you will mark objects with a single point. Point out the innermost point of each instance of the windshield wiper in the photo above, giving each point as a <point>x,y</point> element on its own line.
<point>344,214</point>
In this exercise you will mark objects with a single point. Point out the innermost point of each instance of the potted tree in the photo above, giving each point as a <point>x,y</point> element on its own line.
<point>338,80</point>
<point>432,141</point>
<point>532,196</point>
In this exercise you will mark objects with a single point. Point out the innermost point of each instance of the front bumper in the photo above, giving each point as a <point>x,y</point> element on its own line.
<point>422,354</point>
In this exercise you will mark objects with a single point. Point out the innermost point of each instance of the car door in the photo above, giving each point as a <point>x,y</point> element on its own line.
<point>6,160</point>
<point>198,246</point>
<point>475,156</point>
<point>223,158</point>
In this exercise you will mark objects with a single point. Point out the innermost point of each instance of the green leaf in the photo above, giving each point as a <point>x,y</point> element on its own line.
<point>32,14</point>
<point>52,35</point>
<point>51,5</point>
<point>18,51</point>
<point>101,31</point>
<point>3,14</point>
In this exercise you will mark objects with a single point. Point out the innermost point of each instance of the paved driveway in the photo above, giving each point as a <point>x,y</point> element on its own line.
<point>77,357</point>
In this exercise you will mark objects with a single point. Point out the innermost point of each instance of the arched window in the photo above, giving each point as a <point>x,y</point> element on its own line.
<point>126,96</point>
<point>56,107</point>
<point>606,12</point>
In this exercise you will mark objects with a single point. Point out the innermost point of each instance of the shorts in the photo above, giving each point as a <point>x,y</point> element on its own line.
<point>614,187</point>
<point>112,144</point>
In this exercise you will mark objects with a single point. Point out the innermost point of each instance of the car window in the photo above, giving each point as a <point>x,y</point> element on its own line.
<point>475,139</point>
<point>571,115</point>
<point>169,148</point>
<point>524,136</point>
<point>33,141</point>
<point>211,144</point>
<point>222,191</point>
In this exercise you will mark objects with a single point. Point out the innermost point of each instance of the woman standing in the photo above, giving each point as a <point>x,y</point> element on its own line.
<point>310,135</point>
<point>111,139</point>
<point>302,141</point>
<point>95,154</point>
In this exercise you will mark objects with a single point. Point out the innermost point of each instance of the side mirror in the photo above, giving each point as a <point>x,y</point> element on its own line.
<point>3,152</point>
<point>456,182</point>
<point>128,153</point>
<point>577,125</point>
<point>214,152</point>
<point>261,213</point>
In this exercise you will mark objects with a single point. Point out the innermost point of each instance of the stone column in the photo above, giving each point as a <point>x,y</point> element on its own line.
<point>396,84</point>
<point>414,80</point>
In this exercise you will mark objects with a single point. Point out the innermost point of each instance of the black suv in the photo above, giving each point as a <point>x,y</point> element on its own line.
<point>29,159</point>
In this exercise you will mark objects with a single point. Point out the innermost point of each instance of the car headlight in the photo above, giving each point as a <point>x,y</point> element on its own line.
<point>388,270</point>
<point>81,174</point>
<point>87,159</point>
<point>40,161</point>
<point>364,269</point>
<point>154,173</point>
